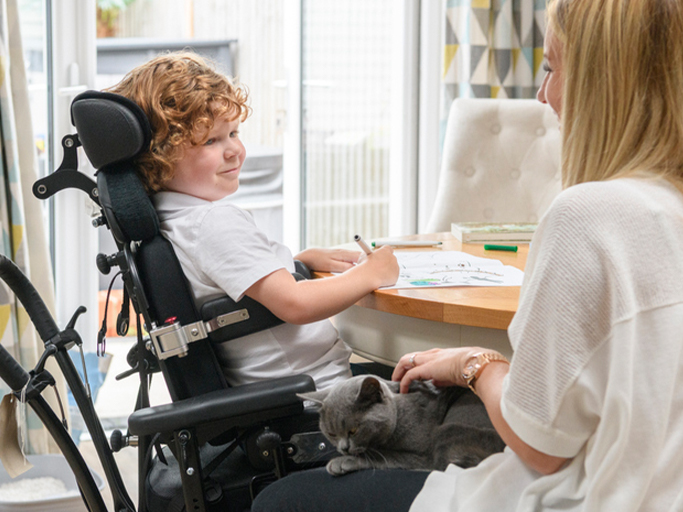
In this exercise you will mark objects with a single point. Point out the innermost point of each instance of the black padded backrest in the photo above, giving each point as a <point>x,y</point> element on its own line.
<point>129,211</point>
<point>169,296</point>
<point>114,131</point>
<point>167,292</point>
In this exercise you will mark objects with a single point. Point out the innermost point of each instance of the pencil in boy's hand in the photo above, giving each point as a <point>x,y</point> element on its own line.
<point>359,240</point>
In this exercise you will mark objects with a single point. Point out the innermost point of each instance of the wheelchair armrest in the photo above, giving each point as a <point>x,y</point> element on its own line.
<point>301,271</point>
<point>261,400</point>
<point>257,317</point>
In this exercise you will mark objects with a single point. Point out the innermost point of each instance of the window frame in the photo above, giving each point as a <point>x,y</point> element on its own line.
<point>414,146</point>
<point>72,50</point>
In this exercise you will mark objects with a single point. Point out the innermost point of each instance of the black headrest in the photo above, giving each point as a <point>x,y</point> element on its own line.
<point>111,128</point>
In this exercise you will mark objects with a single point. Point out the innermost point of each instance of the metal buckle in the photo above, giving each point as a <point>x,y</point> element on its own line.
<point>173,339</point>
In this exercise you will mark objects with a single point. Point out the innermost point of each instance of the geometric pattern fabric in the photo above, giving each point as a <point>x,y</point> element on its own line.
<point>493,49</point>
<point>21,222</point>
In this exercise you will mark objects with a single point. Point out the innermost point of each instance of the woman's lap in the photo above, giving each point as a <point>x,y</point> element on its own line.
<point>377,490</point>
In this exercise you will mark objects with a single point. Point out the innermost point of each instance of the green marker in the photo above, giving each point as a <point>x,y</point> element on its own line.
<point>511,248</point>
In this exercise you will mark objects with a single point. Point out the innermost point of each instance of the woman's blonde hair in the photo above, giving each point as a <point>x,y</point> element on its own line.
<point>622,106</point>
<point>182,95</point>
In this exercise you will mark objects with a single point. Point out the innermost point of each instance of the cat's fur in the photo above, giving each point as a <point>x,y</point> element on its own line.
<point>374,426</point>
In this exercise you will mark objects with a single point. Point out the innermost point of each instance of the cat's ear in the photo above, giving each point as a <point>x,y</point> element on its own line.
<point>370,392</point>
<point>317,397</point>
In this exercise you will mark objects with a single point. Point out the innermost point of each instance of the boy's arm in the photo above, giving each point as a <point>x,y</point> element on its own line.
<point>302,302</point>
<point>329,260</point>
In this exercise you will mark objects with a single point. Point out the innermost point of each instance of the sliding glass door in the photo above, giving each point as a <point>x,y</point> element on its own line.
<point>355,124</point>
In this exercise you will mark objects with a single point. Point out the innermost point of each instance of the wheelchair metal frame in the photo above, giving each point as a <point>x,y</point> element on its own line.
<point>29,386</point>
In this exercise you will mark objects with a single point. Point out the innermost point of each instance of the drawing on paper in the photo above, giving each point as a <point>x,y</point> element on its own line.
<point>419,269</point>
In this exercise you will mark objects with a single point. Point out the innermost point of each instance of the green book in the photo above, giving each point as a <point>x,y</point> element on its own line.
<point>493,231</point>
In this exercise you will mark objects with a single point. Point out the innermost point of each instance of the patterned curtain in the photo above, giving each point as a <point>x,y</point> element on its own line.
<point>21,220</point>
<point>493,49</point>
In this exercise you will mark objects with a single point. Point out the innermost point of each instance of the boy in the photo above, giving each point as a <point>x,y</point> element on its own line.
<point>193,164</point>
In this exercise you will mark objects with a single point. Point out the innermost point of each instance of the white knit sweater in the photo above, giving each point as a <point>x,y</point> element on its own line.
<point>597,372</point>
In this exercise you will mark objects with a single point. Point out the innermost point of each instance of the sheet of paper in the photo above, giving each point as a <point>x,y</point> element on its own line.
<point>424,269</point>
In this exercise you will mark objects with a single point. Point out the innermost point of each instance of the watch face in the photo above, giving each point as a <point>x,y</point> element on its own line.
<point>471,367</point>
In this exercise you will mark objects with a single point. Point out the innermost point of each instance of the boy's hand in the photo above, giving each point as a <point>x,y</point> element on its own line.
<point>383,265</point>
<point>329,260</point>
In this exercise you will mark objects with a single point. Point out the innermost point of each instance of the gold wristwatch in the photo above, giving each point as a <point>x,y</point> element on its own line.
<point>476,363</point>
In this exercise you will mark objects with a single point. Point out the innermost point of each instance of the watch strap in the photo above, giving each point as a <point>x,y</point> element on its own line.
<point>482,360</point>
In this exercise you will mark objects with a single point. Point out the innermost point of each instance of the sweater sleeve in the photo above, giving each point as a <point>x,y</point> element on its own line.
<point>564,314</point>
<point>590,290</point>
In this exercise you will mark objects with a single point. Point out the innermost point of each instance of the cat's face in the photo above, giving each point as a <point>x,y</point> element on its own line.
<point>358,414</point>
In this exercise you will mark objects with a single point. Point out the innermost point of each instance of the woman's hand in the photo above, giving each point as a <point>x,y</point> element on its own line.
<point>329,260</point>
<point>443,366</point>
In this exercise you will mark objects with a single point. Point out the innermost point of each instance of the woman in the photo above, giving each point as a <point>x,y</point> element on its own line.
<point>591,407</point>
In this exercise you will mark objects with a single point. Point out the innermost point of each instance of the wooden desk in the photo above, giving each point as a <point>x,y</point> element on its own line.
<point>389,323</point>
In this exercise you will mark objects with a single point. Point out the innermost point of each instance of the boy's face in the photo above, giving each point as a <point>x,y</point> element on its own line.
<point>210,171</point>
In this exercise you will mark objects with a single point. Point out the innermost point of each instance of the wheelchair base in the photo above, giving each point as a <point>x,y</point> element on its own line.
<point>165,491</point>
<point>233,484</point>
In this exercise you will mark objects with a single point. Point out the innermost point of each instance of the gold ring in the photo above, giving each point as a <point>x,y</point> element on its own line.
<point>412,359</point>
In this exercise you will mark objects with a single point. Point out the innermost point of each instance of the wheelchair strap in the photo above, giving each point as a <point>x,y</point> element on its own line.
<point>101,335</point>
<point>123,319</point>
<point>172,339</point>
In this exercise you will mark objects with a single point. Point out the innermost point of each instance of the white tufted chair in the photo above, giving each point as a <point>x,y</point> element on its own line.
<point>500,163</point>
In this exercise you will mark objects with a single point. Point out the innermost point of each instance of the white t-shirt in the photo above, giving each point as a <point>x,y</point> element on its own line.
<point>597,372</point>
<point>222,252</point>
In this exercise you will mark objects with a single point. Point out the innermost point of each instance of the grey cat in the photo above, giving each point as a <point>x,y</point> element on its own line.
<point>373,425</point>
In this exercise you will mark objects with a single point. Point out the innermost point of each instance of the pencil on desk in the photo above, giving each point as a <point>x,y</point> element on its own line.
<point>406,243</point>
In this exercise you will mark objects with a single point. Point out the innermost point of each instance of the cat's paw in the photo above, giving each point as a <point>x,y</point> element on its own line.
<point>345,464</point>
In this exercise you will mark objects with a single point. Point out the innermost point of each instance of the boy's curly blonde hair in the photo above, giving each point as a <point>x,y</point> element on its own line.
<point>182,95</point>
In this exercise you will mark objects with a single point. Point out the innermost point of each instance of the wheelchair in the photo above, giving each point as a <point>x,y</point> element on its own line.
<point>215,446</point>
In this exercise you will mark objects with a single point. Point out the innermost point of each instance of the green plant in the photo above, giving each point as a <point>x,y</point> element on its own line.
<point>107,15</point>
<point>109,5</point>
